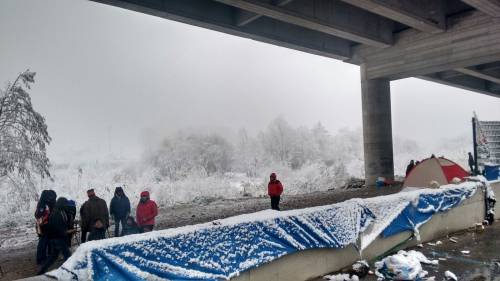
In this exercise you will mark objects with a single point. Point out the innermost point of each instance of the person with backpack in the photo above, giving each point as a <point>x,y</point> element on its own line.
<point>274,190</point>
<point>146,212</point>
<point>92,211</point>
<point>43,209</point>
<point>71,211</point>
<point>57,233</point>
<point>119,209</point>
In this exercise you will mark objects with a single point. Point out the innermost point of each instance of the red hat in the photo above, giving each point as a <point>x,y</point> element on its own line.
<point>145,193</point>
<point>273,175</point>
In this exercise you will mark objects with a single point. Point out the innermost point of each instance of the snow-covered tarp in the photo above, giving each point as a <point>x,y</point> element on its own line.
<point>223,249</point>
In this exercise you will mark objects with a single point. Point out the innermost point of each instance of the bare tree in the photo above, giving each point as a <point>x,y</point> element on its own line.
<point>23,132</point>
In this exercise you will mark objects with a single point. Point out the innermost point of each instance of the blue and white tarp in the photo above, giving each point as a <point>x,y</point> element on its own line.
<point>222,249</point>
<point>218,250</point>
<point>417,213</point>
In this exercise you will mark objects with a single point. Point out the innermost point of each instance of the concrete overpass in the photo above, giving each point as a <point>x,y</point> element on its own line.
<point>452,42</point>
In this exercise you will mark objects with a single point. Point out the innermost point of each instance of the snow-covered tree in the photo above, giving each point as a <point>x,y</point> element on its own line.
<point>23,132</point>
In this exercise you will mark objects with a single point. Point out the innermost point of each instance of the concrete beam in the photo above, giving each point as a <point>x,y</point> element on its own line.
<point>377,128</point>
<point>464,82</point>
<point>489,7</point>
<point>471,39</point>
<point>244,17</point>
<point>219,17</point>
<point>318,20</point>
<point>423,15</point>
<point>472,71</point>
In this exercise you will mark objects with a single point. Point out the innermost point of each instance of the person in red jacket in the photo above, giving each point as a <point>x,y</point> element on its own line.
<point>146,213</point>
<point>274,190</point>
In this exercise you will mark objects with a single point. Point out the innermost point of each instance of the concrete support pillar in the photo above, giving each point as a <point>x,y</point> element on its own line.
<point>377,128</point>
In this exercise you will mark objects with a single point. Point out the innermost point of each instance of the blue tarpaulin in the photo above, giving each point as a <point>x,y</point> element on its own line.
<point>222,249</point>
<point>428,204</point>
<point>218,251</point>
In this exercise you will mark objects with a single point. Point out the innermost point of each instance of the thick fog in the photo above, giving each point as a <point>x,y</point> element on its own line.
<point>112,80</point>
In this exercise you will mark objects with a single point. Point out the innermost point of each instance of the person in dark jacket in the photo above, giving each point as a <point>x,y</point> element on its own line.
<point>119,209</point>
<point>43,209</point>
<point>471,164</point>
<point>410,167</point>
<point>57,232</point>
<point>274,190</point>
<point>131,228</point>
<point>91,211</point>
<point>71,211</point>
<point>146,212</point>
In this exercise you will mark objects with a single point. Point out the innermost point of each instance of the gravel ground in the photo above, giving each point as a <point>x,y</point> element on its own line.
<point>19,262</point>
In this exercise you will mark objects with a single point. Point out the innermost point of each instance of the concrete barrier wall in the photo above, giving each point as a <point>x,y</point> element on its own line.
<point>309,264</point>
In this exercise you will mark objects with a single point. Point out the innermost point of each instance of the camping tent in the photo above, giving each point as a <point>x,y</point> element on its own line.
<point>439,169</point>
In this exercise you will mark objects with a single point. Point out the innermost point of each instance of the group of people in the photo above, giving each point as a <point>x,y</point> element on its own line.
<point>55,221</point>
<point>56,224</point>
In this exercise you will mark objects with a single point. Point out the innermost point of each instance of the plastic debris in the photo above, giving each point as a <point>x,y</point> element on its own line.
<point>450,275</point>
<point>403,266</point>
<point>465,252</point>
<point>341,277</point>
<point>453,239</point>
<point>361,268</point>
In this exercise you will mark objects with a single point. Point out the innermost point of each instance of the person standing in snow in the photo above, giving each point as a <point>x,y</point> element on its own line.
<point>274,190</point>
<point>43,209</point>
<point>57,232</point>
<point>119,210</point>
<point>471,163</point>
<point>93,210</point>
<point>71,211</point>
<point>146,213</point>
<point>410,167</point>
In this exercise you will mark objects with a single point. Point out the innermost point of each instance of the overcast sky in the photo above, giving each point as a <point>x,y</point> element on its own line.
<point>105,76</point>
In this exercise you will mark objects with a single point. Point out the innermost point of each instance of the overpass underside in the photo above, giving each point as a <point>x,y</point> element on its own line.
<point>452,42</point>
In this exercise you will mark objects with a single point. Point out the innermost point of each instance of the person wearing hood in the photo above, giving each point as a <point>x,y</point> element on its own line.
<point>43,209</point>
<point>146,212</point>
<point>92,211</point>
<point>119,209</point>
<point>57,232</point>
<point>274,190</point>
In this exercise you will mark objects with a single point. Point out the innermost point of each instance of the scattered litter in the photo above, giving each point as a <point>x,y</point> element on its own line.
<point>360,268</point>
<point>450,275</point>
<point>403,266</point>
<point>431,244</point>
<point>453,239</point>
<point>371,272</point>
<point>420,245</point>
<point>439,242</point>
<point>441,259</point>
<point>465,252</point>
<point>341,277</point>
<point>479,227</point>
